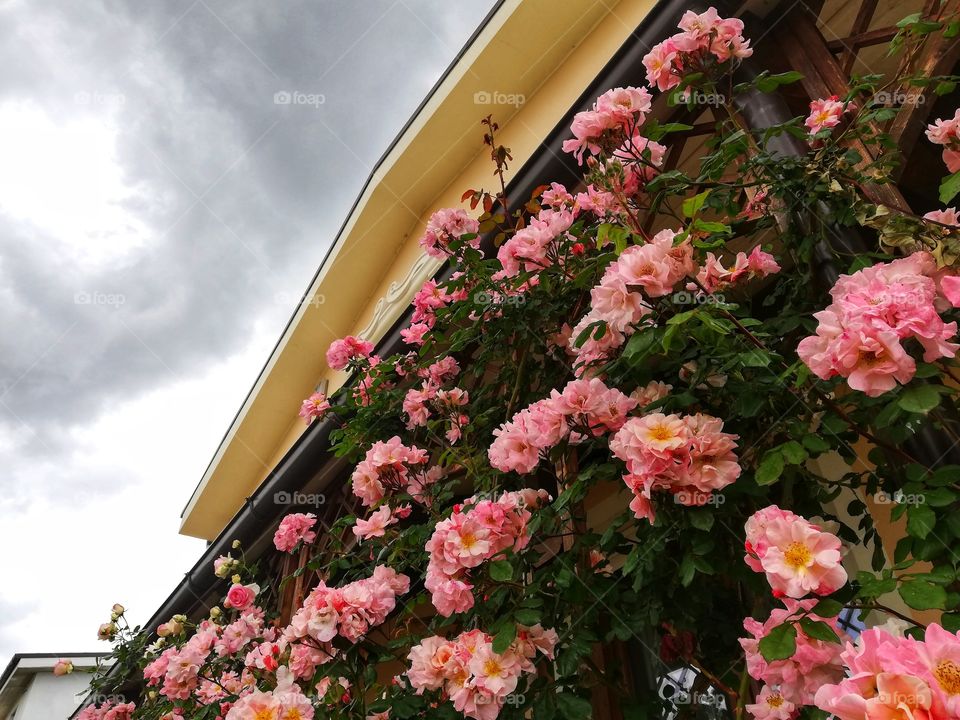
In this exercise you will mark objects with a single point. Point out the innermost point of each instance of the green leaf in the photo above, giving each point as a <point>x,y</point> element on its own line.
<point>780,643</point>
<point>754,358</point>
<point>688,569</point>
<point>692,205</point>
<point>527,616</point>
<point>815,444</point>
<point>921,520</point>
<point>711,227</point>
<point>950,622</point>
<point>921,595</point>
<point>908,20</point>
<point>501,571</point>
<point>819,630</point>
<point>793,452</point>
<point>502,639</point>
<point>949,187</point>
<point>770,468</point>
<point>827,608</point>
<point>920,399</point>
<point>633,559</point>
<point>770,83</point>
<point>701,518</point>
<point>573,707</point>
<point>640,343</point>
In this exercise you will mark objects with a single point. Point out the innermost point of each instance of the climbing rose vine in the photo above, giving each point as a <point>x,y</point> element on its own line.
<point>672,421</point>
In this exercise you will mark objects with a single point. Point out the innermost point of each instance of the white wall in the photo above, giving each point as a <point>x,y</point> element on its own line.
<point>52,698</point>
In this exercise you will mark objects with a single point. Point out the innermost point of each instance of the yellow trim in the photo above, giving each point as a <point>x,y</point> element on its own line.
<point>543,50</point>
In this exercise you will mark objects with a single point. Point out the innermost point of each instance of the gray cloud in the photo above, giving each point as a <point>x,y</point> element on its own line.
<point>229,203</point>
<point>239,196</point>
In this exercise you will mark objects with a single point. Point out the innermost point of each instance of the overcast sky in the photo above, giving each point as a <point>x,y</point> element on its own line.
<point>161,210</point>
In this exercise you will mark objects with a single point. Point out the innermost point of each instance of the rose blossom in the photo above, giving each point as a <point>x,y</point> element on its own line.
<point>293,529</point>
<point>240,597</point>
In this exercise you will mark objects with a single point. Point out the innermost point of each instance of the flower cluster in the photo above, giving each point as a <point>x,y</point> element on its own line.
<point>713,276</point>
<point>583,409</point>
<point>295,528</point>
<point>346,350</point>
<point>110,710</point>
<point>349,611</point>
<point>379,520</point>
<point>771,705</point>
<point>536,246</point>
<point>947,133</point>
<point>814,664</point>
<point>826,114</point>
<point>419,401</point>
<point>389,465</point>
<point>286,702</point>
<point>177,669</point>
<point>688,456</point>
<point>796,555</point>
<point>315,406</point>
<point>889,676</point>
<point>861,333</point>
<point>475,678</point>
<point>224,566</point>
<point>614,113</point>
<point>445,226</point>
<point>476,531</point>
<point>619,302</point>
<point>429,298</point>
<point>704,39</point>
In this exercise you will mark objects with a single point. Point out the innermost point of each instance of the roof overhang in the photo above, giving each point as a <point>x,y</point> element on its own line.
<point>23,666</point>
<point>373,269</point>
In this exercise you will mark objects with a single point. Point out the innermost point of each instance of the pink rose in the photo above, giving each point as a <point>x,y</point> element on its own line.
<point>240,597</point>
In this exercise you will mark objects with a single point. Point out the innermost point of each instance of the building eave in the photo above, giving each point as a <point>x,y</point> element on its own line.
<point>441,139</point>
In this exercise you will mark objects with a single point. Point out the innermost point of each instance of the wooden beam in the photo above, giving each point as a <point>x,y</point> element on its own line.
<point>862,40</point>
<point>939,56</point>
<point>848,56</point>
<point>806,50</point>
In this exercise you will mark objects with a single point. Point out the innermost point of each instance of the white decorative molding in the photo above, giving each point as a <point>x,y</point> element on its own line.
<point>398,296</point>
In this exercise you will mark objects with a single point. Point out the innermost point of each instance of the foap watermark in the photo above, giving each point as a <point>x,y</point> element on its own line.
<point>898,98</point>
<point>486,298</point>
<point>86,297</point>
<point>296,97</point>
<point>685,697</point>
<point>695,498</point>
<point>515,699</point>
<point>104,698</point>
<point>711,99</point>
<point>688,298</point>
<point>95,97</point>
<point>283,298</point>
<point>899,497</point>
<point>283,497</point>
<point>496,97</point>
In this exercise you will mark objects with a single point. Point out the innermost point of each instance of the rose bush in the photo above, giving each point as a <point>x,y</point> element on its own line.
<point>659,328</point>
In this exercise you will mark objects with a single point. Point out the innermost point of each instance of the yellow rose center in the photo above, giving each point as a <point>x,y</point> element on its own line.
<point>491,667</point>
<point>797,555</point>
<point>947,673</point>
<point>265,714</point>
<point>775,700</point>
<point>468,540</point>
<point>661,432</point>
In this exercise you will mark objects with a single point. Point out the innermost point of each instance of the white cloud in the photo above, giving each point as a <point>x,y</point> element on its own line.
<point>82,554</point>
<point>143,156</point>
<point>63,178</point>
